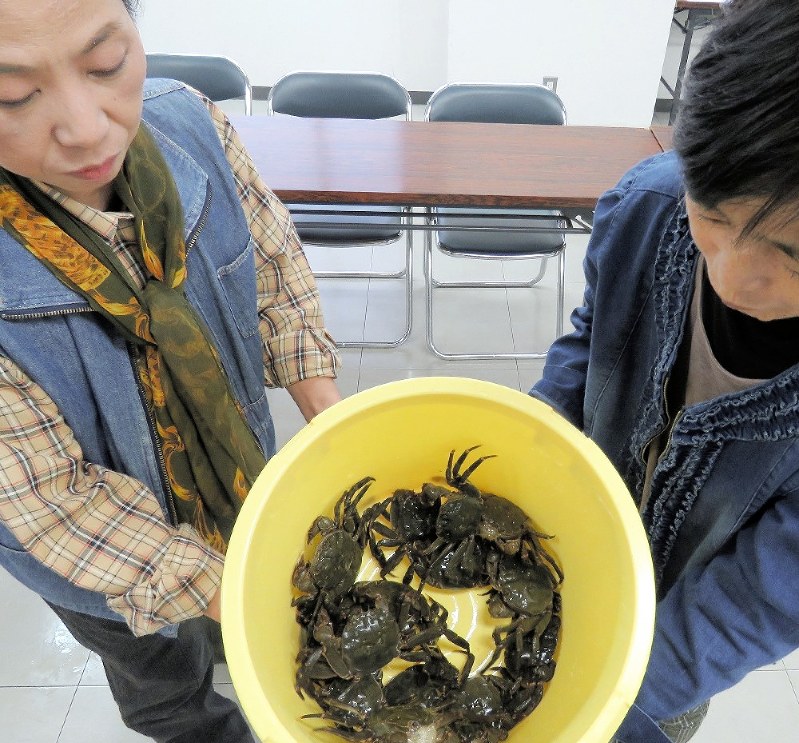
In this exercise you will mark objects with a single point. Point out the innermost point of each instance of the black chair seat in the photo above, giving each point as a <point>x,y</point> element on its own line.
<point>510,243</point>
<point>310,229</point>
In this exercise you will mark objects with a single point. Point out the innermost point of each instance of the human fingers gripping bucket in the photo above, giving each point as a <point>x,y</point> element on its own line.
<point>401,434</point>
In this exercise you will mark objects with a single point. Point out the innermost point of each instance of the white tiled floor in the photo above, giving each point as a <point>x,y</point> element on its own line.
<point>54,691</point>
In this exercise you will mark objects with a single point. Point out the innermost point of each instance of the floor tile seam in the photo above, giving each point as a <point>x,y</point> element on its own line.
<point>510,325</point>
<point>794,686</point>
<point>39,686</point>
<point>66,714</point>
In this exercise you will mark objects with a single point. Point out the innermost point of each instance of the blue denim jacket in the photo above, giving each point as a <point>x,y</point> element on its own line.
<point>88,370</point>
<point>723,513</point>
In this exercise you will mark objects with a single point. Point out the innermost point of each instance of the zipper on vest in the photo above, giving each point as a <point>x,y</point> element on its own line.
<point>41,314</point>
<point>642,453</point>
<point>170,495</point>
<point>201,222</point>
<point>668,426</point>
<point>667,445</point>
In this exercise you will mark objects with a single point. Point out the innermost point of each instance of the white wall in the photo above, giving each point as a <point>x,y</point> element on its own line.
<point>268,38</point>
<point>607,54</point>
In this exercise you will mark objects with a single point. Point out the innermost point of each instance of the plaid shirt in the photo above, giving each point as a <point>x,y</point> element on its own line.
<point>103,530</point>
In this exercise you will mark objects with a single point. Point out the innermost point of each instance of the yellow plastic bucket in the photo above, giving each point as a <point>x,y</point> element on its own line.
<point>401,433</point>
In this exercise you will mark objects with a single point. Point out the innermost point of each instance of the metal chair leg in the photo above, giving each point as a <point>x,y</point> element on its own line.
<point>429,287</point>
<point>408,278</point>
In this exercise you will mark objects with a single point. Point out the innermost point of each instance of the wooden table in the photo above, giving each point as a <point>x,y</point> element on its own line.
<point>663,134</point>
<point>396,171</point>
<point>699,4</point>
<point>417,163</point>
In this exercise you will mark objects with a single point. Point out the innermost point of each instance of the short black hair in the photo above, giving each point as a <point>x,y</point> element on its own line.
<point>737,131</point>
<point>132,6</point>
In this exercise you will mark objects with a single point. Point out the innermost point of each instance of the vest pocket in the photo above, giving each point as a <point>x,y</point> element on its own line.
<point>238,284</point>
<point>260,420</point>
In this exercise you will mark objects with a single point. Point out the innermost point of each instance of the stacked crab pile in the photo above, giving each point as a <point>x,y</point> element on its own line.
<point>447,537</point>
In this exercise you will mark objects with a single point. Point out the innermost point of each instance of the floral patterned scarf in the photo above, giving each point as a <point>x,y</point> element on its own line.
<point>211,455</point>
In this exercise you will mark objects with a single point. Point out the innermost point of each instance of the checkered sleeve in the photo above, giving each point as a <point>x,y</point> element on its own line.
<point>296,344</point>
<point>101,530</point>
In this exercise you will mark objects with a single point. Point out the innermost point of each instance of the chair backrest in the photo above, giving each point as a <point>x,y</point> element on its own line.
<point>506,103</point>
<point>339,95</point>
<point>219,78</point>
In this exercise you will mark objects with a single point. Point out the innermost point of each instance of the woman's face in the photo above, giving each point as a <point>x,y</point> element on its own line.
<point>759,273</point>
<point>71,76</point>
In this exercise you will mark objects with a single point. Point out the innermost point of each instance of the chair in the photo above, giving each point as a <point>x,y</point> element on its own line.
<point>350,95</point>
<point>218,78</point>
<point>498,103</point>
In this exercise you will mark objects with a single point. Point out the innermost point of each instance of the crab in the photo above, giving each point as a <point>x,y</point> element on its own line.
<point>529,658</point>
<point>518,586</point>
<point>350,701</point>
<point>472,524</point>
<point>422,620</point>
<point>508,527</point>
<point>427,683</point>
<point>373,623</point>
<point>524,592</point>
<point>478,710</point>
<point>456,557</point>
<point>336,560</point>
<point>366,642</point>
<point>411,520</point>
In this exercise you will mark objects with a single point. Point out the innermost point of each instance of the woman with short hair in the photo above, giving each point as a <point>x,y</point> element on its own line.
<point>684,366</point>
<point>151,288</point>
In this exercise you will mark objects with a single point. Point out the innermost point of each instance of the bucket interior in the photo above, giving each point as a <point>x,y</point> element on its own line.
<point>402,434</point>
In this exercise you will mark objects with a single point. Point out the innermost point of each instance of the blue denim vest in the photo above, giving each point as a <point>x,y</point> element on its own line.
<point>88,370</point>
